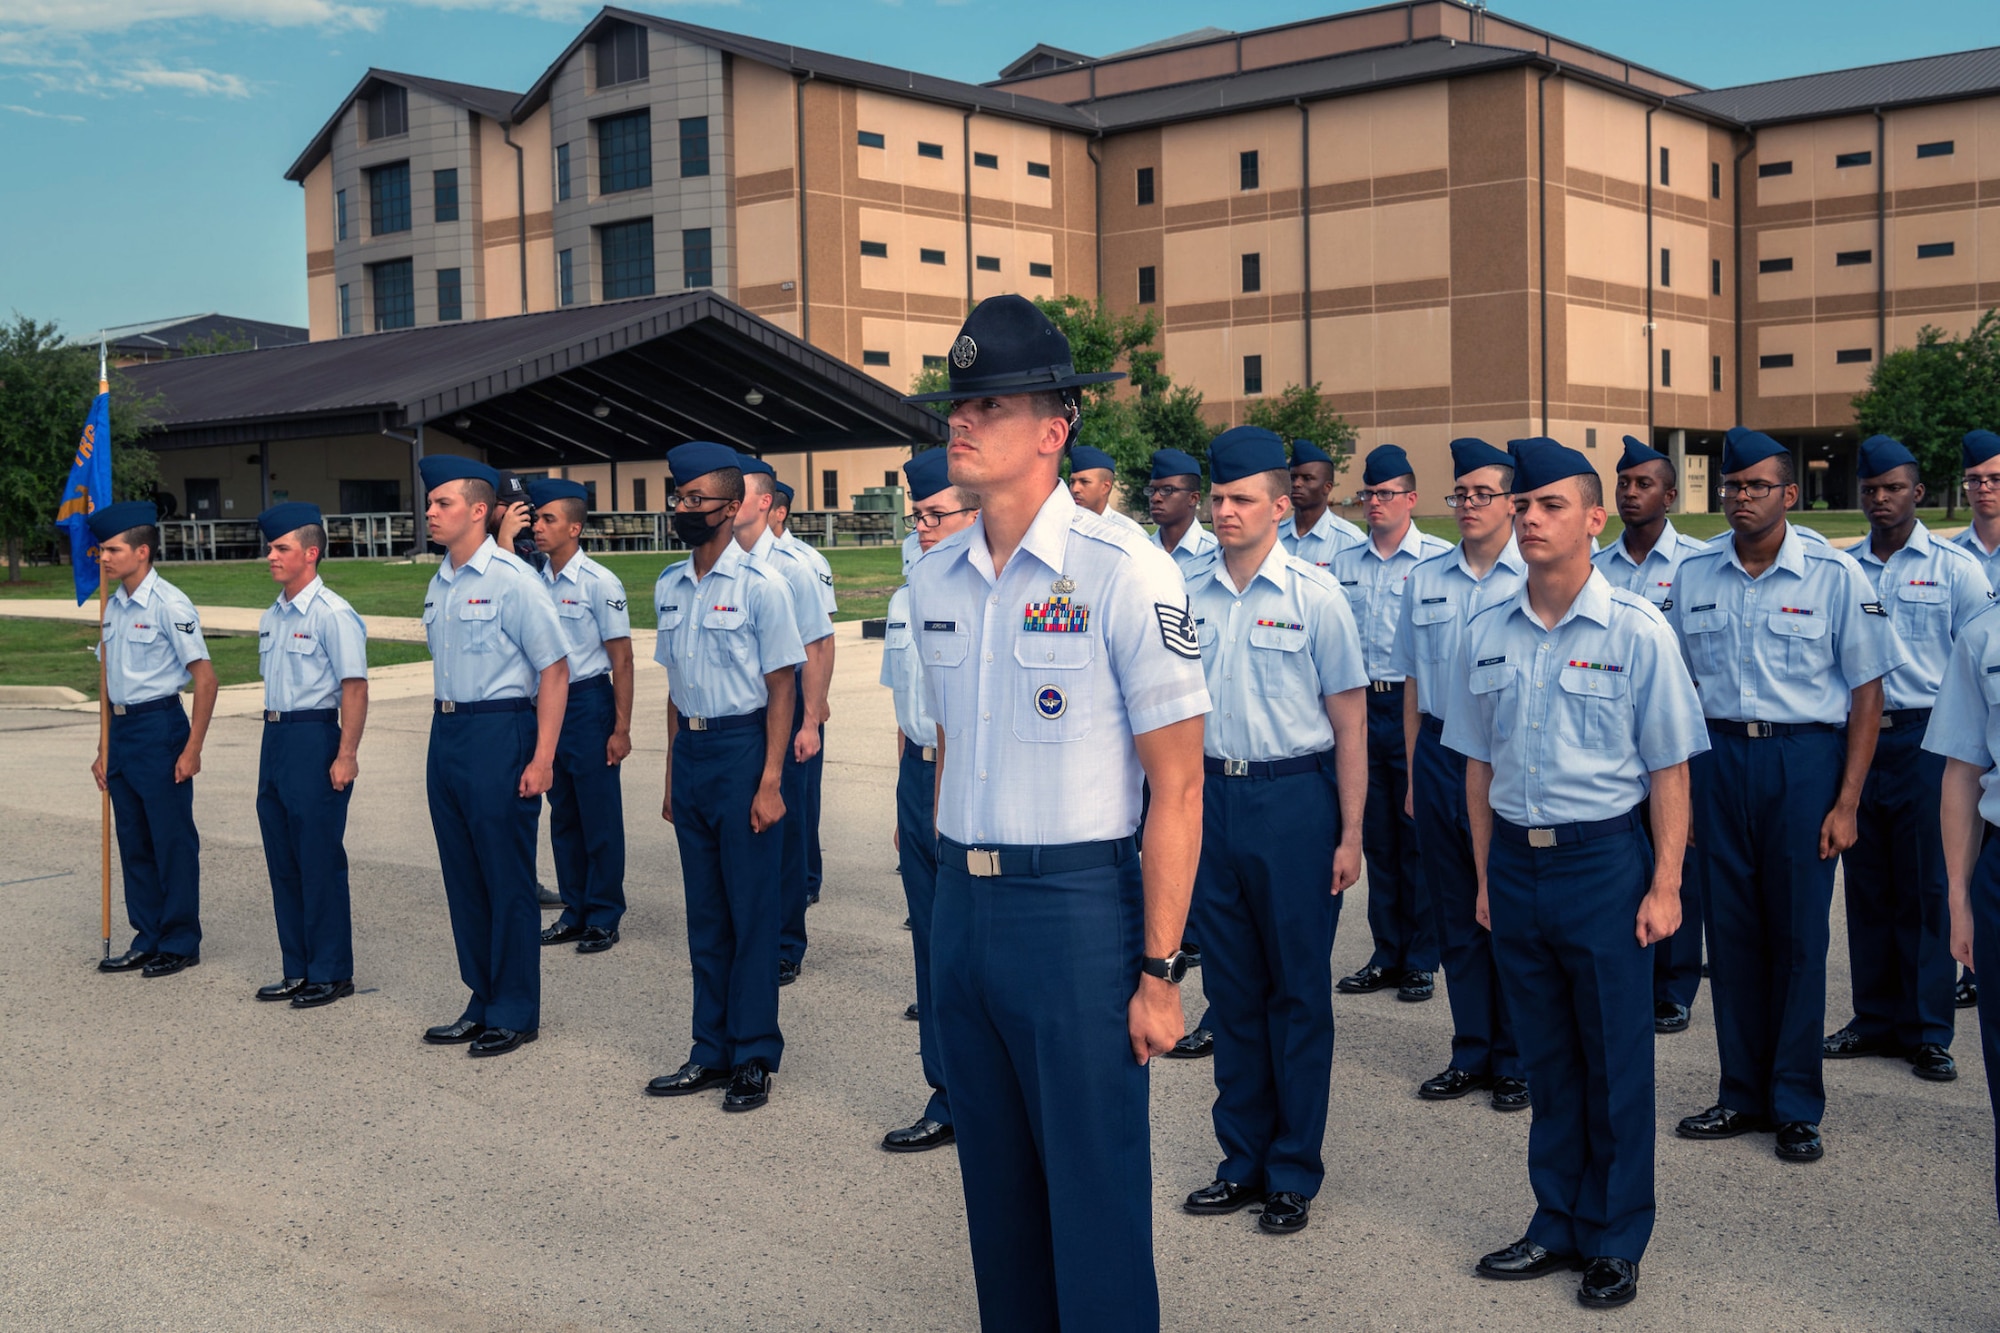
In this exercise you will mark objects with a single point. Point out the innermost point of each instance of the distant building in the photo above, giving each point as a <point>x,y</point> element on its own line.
<point>162,339</point>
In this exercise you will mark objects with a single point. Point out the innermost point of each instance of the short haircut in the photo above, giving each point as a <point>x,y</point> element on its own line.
<point>778,501</point>
<point>1321,471</point>
<point>313,537</point>
<point>1787,470</point>
<point>758,483</point>
<point>1279,480</point>
<point>1506,478</point>
<point>146,535</point>
<point>569,507</point>
<point>479,492</point>
<point>960,498</point>
<point>728,483</point>
<point>1592,488</point>
<point>1666,465</point>
<point>1410,477</point>
<point>1049,402</point>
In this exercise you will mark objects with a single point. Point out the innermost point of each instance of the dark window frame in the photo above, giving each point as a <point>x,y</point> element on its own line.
<point>1041,270</point>
<point>346,309</point>
<point>1853,356</point>
<point>624,151</point>
<point>1937,250</point>
<point>1715,374</point>
<point>1253,273</point>
<point>1715,180</point>
<point>564,180</point>
<point>829,488</point>
<point>1852,258</point>
<point>986,263</point>
<point>389,199</point>
<point>991,161</point>
<point>934,151</point>
<point>1782,264</point>
<point>1253,375</point>
<point>1715,277</point>
<point>870,139</point>
<point>1149,285</point>
<point>694,146</point>
<point>340,215</point>
<point>1039,170</point>
<point>1666,367</point>
<point>444,195</point>
<point>1940,148</point>
<point>388,112</point>
<point>927,256</point>
<point>1766,170</point>
<point>1143,186</point>
<point>627,259</point>
<point>874,249</point>
<point>1864,157</point>
<point>697,257</point>
<point>565,277</point>
<point>1775,361</point>
<point>1666,267</point>
<point>450,295</point>
<point>1664,174</point>
<point>392,287</point>
<point>630,61</point>
<point>1248,170</point>
<point>869,358</point>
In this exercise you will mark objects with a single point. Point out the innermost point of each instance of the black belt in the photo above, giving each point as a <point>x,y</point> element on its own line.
<point>928,753</point>
<point>1763,730</point>
<point>1261,768</point>
<point>1564,835</point>
<point>986,862</point>
<point>687,723</point>
<point>1434,725</point>
<point>305,715</point>
<point>1385,686</point>
<point>591,684</point>
<point>1896,718</point>
<point>150,706</point>
<point>482,706</point>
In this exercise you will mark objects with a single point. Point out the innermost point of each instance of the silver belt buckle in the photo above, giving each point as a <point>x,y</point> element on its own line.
<point>1541,837</point>
<point>1236,768</point>
<point>1378,686</point>
<point>1888,723</point>
<point>695,723</point>
<point>447,706</point>
<point>981,861</point>
<point>272,715</point>
<point>118,710</point>
<point>1758,730</point>
<point>929,753</point>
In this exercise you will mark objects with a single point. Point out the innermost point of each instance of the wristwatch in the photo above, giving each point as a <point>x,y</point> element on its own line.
<point>1169,969</point>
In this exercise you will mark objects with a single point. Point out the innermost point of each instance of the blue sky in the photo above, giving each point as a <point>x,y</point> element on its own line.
<point>144,142</point>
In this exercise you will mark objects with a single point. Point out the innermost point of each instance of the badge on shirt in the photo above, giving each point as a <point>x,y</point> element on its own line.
<point>1492,661</point>
<point>1281,624</point>
<point>1591,666</point>
<point>184,626</point>
<point>1868,608</point>
<point>1177,630</point>
<point>941,626</point>
<point>899,624</point>
<point>725,608</point>
<point>1050,703</point>
<point>615,603</point>
<point>827,579</point>
<point>1058,615</point>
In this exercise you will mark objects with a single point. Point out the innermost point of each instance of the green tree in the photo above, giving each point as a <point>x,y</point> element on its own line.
<point>233,341</point>
<point>46,387</point>
<point>1301,412</point>
<point>1928,396</point>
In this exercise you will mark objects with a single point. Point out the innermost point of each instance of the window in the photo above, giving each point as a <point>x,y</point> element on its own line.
<point>395,295</point>
<point>694,146</point>
<point>624,152</point>
<point>1715,180</point>
<point>639,494</point>
<point>1253,273</point>
<point>562,171</point>
<point>930,256</point>
<point>1039,169</point>
<point>1774,266</point>
<point>1590,437</point>
<point>1715,374</point>
<point>444,195</point>
<point>1666,267</point>
<point>1937,250</point>
<point>1849,258</point>
<point>621,54</point>
<point>388,112</point>
<point>1774,169</point>
<point>991,161</point>
<point>870,139</point>
<point>697,258</point>
<point>1041,270</point>
<point>625,253</point>
<point>590,496</point>
<point>340,215</point>
<point>1247,169</point>
<point>1147,288</point>
<point>1942,148</point>
<point>874,358</point>
<point>1663,167</point>
<point>875,249</point>
<point>1145,185</point>
<point>1854,356</point>
<point>346,312</point>
<point>1779,361</point>
<point>986,263</point>
<point>1666,367</point>
<point>451,304</point>
<point>892,479</point>
<point>1860,159</point>
<point>1253,375</point>
<point>829,489</point>
<point>389,199</point>
<point>935,150</point>
<point>1715,277</point>
<point>361,496</point>
<point>566,289</point>
<point>930,363</point>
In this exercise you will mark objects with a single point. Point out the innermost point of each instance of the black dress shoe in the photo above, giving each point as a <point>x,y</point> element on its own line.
<point>281,990</point>
<point>1798,1141</point>
<point>788,971</point>
<point>907,925</point>
<point>1196,1045</point>
<point>561,934</point>
<point>546,898</point>
<point>1285,1213</point>
<point>166,964</point>
<point>1220,1196</point>
<point>911,1012</point>
<point>1849,1043</point>
<point>690,1077</point>
<point>1967,993</point>
<point>1670,1017</point>
<point>596,939</point>
<point>1416,987</point>
<point>1451,1085</point>
<point>316,993</point>
<point>920,1137</point>
<point>499,1041</point>
<point>749,1087</point>
<point>1523,1260</point>
<point>454,1034</point>
<point>1510,1094</point>
<point>129,961</point>
<point>1608,1282</point>
<point>1367,981</point>
<point>1719,1122</point>
<point>1933,1062</point>
<point>1191,952</point>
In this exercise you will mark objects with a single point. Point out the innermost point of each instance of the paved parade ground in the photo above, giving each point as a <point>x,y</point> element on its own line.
<point>175,1155</point>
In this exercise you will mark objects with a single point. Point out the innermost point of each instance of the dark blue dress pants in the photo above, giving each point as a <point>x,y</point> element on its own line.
<point>158,848</point>
<point>304,822</point>
<point>1399,914</point>
<point>1986,961</point>
<point>795,838</point>
<point>916,861</point>
<point>587,811</point>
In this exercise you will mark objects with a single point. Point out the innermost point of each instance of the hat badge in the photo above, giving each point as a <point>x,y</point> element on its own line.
<point>964,352</point>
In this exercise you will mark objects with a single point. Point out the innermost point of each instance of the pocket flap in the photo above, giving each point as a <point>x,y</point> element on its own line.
<point>1989,682</point>
<point>1594,683</point>
<point>1277,637</point>
<point>897,635</point>
<point>479,611</point>
<point>570,610</point>
<point>722,619</point>
<point>1060,652</point>
<point>670,616</point>
<point>1797,627</point>
<point>1705,622</point>
<point>1488,679</point>
<point>1432,613</point>
<point>298,642</point>
<point>943,647</point>
<point>1912,592</point>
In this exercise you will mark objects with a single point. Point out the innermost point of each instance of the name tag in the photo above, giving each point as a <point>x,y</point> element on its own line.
<point>899,624</point>
<point>1491,661</point>
<point>941,626</point>
<point>1705,606</point>
<point>1434,601</point>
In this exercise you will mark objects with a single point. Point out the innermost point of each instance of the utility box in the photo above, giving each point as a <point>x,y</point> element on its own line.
<point>879,500</point>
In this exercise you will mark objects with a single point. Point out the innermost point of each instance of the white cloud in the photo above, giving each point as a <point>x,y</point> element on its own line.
<point>39,115</point>
<point>202,82</point>
<point>116,15</point>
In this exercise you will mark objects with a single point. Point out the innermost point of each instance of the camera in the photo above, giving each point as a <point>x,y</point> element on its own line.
<point>513,491</point>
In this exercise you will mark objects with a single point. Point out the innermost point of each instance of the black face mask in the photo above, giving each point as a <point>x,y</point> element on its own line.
<point>693,528</point>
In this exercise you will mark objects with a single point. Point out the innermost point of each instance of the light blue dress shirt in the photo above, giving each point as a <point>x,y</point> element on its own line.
<point>1965,720</point>
<point>813,621</point>
<point>1989,561</point>
<point>1653,577</point>
<point>1375,585</point>
<point>1328,538</point>
<point>719,637</point>
<point>1198,549</point>
<point>151,636</point>
<point>1931,590</point>
<point>491,628</point>
<point>800,549</point>
<point>912,548</point>
<point>306,646</point>
<point>590,603</point>
<point>1575,719</point>
<point>1441,597</point>
<point>1788,646</point>
<point>1271,654</point>
<point>903,673</point>
<point>1041,674</point>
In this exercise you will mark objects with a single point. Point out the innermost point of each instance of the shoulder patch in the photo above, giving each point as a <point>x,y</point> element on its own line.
<point>1873,609</point>
<point>185,626</point>
<point>1177,630</point>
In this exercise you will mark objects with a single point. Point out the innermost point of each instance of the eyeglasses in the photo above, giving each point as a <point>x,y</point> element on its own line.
<point>694,501</point>
<point>911,522</point>
<point>1982,483</point>
<point>1381,496</point>
<point>1751,490</point>
<point>1154,492</point>
<point>1471,499</point>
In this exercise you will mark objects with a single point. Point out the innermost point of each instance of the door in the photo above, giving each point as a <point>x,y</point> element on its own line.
<point>204,498</point>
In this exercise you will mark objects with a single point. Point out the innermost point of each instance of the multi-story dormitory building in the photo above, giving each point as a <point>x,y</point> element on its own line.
<point>1454,223</point>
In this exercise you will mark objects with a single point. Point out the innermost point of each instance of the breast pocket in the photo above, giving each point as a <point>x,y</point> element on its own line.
<point>1808,650</point>
<point>725,639</point>
<point>1596,708</point>
<point>432,627</point>
<point>1431,626</point>
<point>479,626</point>
<point>1278,661</point>
<point>1496,690</point>
<point>1054,687</point>
<point>1923,613</point>
<point>1708,635</point>
<point>943,653</point>
<point>300,643</point>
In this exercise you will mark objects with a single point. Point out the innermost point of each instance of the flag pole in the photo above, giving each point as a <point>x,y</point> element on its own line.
<point>103,718</point>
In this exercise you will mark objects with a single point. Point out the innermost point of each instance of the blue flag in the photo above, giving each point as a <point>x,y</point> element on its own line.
<point>89,490</point>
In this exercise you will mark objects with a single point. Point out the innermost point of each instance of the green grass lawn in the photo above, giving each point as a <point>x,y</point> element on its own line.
<point>49,652</point>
